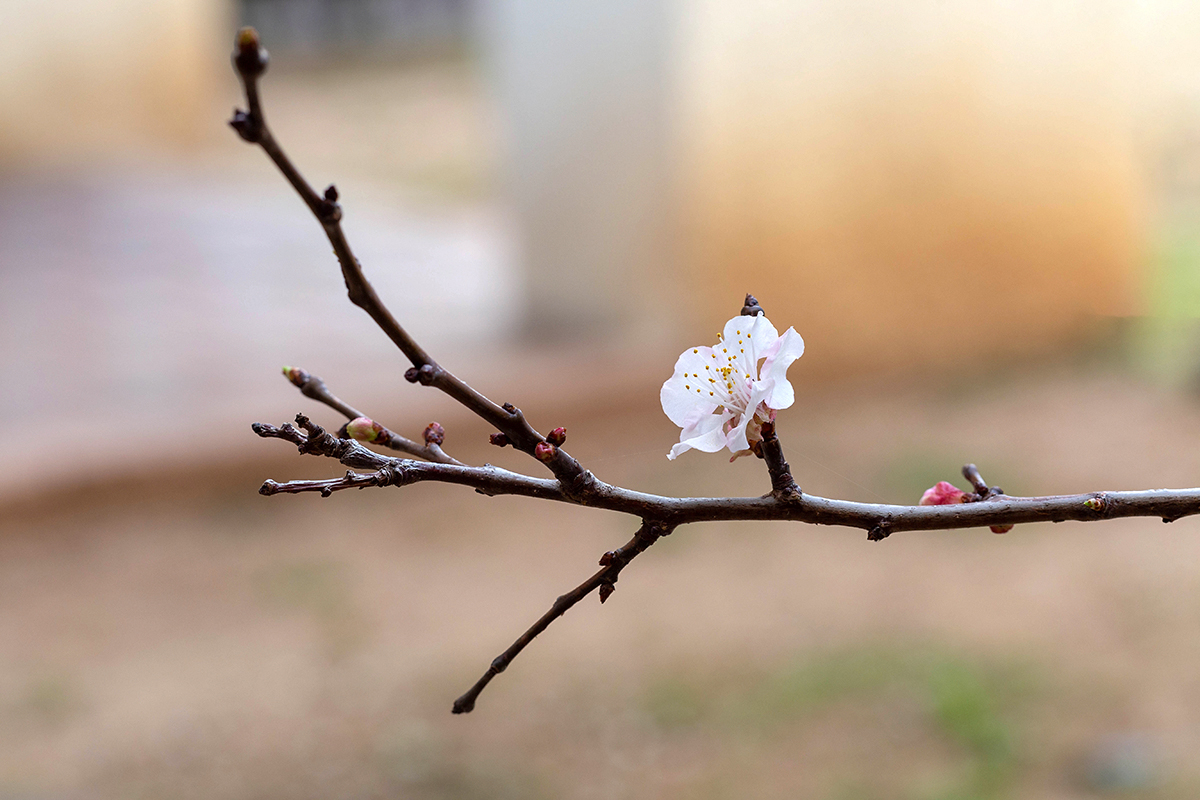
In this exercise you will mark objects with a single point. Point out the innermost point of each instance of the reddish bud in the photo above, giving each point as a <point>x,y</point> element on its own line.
<point>544,452</point>
<point>942,494</point>
<point>296,375</point>
<point>1001,528</point>
<point>498,439</point>
<point>606,590</point>
<point>435,433</point>
<point>607,558</point>
<point>412,374</point>
<point>557,437</point>
<point>364,429</point>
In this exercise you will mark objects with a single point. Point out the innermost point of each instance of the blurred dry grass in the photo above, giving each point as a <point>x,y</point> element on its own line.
<point>196,640</point>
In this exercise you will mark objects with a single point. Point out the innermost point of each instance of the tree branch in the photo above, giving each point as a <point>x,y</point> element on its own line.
<point>1166,504</point>
<point>660,515</point>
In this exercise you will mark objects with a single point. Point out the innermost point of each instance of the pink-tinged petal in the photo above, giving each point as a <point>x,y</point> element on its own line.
<point>706,434</point>
<point>783,352</point>
<point>687,389</point>
<point>942,494</point>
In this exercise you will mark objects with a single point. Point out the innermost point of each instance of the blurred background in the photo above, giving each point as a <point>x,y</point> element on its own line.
<point>984,218</point>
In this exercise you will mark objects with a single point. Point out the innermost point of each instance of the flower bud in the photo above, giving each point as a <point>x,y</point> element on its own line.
<point>364,429</point>
<point>435,433</point>
<point>250,58</point>
<point>296,375</point>
<point>412,374</point>
<point>606,590</point>
<point>942,494</point>
<point>498,439</point>
<point>557,437</point>
<point>1001,528</point>
<point>544,452</point>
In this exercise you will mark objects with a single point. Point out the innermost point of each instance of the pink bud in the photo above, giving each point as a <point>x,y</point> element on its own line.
<point>364,429</point>
<point>435,433</point>
<point>557,436</point>
<point>942,494</point>
<point>544,452</point>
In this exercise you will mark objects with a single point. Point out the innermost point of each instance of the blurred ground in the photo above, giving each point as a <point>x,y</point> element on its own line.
<point>184,637</point>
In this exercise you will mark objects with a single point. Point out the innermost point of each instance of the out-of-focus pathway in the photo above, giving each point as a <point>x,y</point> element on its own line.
<point>148,312</point>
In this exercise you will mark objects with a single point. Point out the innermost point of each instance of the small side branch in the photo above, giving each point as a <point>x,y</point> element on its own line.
<point>605,580</point>
<point>313,387</point>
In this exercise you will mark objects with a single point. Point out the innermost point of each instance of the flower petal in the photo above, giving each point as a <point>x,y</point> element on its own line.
<point>748,339</point>
<point>783,352</point>
<point>706,433</point>
<point>686,390</point>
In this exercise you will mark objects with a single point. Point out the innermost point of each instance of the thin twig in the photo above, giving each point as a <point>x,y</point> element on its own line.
<point>605,580</point>
<point>971,473</point>
<point>312,386</point>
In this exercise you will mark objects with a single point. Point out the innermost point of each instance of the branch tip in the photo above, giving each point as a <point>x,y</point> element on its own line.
<point>249,56</point>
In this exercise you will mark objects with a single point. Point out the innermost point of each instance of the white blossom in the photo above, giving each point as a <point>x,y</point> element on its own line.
<point>722,395</point>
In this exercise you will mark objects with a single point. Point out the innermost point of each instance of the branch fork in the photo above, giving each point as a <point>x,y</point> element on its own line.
<point>658,516</point>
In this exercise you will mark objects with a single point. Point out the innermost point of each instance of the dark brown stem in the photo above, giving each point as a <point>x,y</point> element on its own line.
<point>611,562</point>
<point>783,486</point>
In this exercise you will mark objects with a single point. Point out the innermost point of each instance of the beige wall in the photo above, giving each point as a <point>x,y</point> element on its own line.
<point>81,78</point>
<point>923,181</point>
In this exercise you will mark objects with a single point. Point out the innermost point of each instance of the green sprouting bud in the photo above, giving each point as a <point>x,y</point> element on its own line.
<point>364,429</point>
